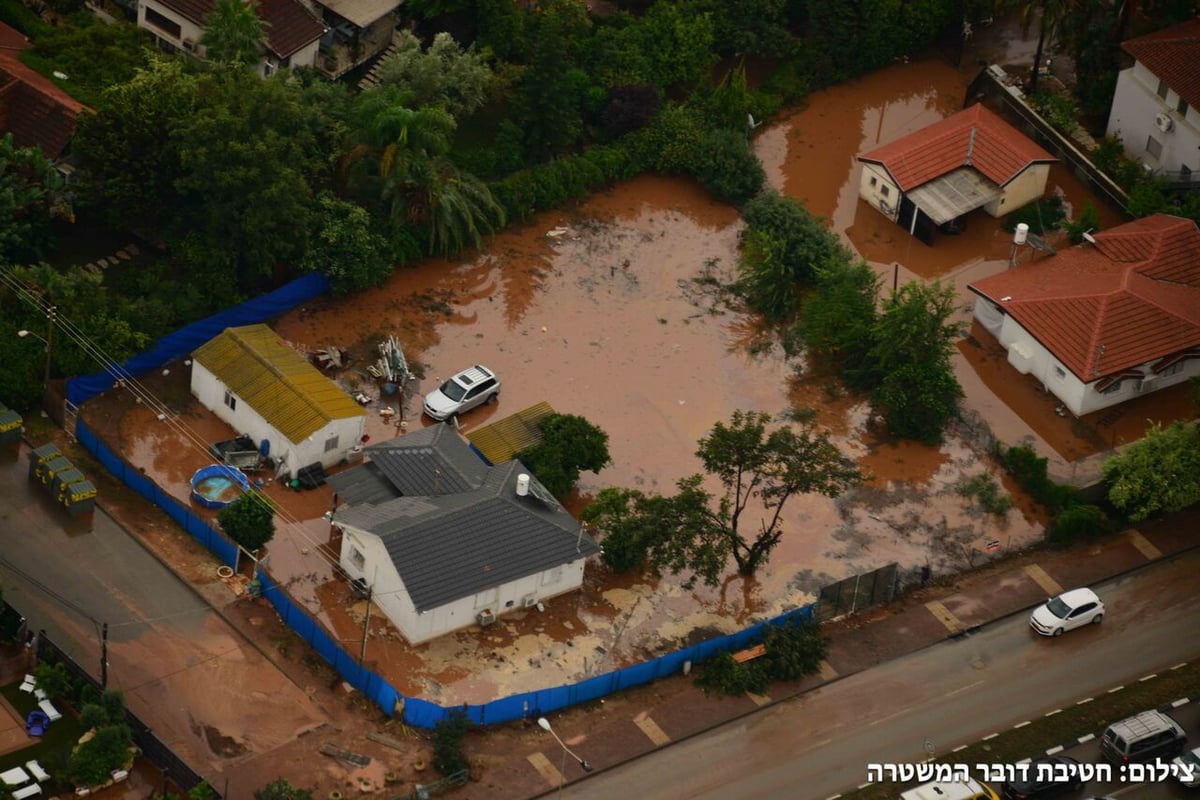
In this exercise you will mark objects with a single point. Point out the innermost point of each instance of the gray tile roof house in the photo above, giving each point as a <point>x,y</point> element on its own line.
<point>452,525</point>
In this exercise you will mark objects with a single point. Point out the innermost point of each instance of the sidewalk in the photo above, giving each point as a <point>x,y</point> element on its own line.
<point>641,721</point>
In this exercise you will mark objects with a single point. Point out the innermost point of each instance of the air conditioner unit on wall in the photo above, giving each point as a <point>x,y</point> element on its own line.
<point>485,617</point>
<point>1163,122</point>
<point>529,601</point>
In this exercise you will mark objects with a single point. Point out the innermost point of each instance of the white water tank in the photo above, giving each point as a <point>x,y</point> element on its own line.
<point>1021,233</point>
<point>522,485</point>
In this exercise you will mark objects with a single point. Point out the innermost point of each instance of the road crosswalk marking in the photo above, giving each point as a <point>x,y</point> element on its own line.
<point>944,616</point>
<point>1043,580</point>
<point>1144,545</point>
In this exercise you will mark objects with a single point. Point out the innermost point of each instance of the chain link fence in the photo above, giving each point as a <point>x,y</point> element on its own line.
<point>858,592</point>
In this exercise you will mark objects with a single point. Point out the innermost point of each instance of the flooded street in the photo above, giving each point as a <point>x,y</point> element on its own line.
<point>620,320</point>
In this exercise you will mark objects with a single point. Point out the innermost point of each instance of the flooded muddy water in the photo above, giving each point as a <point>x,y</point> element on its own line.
<point>618,318</point>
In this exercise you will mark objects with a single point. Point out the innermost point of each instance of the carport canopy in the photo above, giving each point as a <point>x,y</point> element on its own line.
<point>954,194</point>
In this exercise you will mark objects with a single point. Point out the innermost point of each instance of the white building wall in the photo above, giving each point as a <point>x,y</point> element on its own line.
<point>1136,105</point>
<point>1029,357</point>
<point>289,456</point>
<point>363,555</point>
<point>1022,190</point>
<point>877,188</point>
<point>190,32</point>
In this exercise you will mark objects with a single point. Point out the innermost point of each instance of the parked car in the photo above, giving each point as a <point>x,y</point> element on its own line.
<point>465,390</point>
<point>1142,737</point>
<point>938,790</point>
<point>1068,610</point>
<point>1042,783</point>
<point>1189,761</point>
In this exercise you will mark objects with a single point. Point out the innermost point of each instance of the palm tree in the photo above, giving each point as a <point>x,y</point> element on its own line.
<point>1051,16</point>
<point>402,157</point>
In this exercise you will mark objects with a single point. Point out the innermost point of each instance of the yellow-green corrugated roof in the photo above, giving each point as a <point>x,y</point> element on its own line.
<point>503,439</point>
<point>290,393</point>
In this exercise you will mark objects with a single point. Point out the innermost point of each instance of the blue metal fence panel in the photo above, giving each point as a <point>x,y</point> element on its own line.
<point>185,340</point>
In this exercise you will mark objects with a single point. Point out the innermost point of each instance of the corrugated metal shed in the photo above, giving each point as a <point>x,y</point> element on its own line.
<point>262,370</point>
<point>503,439</point>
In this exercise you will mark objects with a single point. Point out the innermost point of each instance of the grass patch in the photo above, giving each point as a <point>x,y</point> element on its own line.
<point>1046,732</point>
<point>54,748</point>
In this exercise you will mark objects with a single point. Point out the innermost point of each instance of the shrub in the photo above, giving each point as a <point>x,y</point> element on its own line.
<point>1078,522</point>
<point>728,168</point>
<point>448,735</point>
<point>792,651</point>
<point>52,678</point>
<point>94,760</point>
<point>987,493</point>
<point>1042,217</point>
<point>1089,220</point>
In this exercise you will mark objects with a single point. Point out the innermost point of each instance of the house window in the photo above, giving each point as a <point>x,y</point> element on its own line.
<point>357,558</point>
<point>885,190</point>
<point>552,576</point>
<point>1182,107</point>
<point>487,597</point>
<point>164,24</point>
<point>331,443</point>
<point>1153,147</point>
<point>874,181</point>
<point>1059,371</point>
<point>230,399</point>
<point>1162,89</point>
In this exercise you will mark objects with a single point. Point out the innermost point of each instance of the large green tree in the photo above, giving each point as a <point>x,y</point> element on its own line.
<point>912,340</point>
<point>30,197</point>
<point>249,520</point>
<point>345,248</point>
<point>127,151</point>
<point>569,444</point>
<point>1158,474</point>
<point>837,318</point>
<point>759,468</point>
<point>234,33</point>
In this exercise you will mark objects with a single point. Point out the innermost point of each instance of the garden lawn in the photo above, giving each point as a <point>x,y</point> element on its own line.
<point>53,749</point>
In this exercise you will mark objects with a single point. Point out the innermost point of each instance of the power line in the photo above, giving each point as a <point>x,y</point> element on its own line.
<point>144,396</point>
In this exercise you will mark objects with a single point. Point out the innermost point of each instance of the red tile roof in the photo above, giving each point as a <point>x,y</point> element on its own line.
<point>974,137</point>
<point>1100,309</point>
<point>290,26</point>
<point>32,107</point>
<point>1173,55</point>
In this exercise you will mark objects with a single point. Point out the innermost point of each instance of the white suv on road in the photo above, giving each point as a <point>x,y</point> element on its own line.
<point>472,387</point>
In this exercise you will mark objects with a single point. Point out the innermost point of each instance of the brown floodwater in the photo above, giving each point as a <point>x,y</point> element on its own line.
<point>610,309</point>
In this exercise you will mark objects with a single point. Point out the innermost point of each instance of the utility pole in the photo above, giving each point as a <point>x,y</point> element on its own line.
<point>104,656</point>
<point>362,656</point>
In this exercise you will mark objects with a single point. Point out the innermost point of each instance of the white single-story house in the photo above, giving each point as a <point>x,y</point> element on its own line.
<point>969,160</point>
<point>1156,106</point>
<point>264,389</point>
<point>1103,322</point>
<point>443,541</point>
<point>293,31</point>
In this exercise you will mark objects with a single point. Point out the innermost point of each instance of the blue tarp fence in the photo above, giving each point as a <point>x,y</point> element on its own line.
<point>132,477</point>
<point>423,714</point>
<point>417,712</point>
<point>308,629</point>
<point>184,341</point>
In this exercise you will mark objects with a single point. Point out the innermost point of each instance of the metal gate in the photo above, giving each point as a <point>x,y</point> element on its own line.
<point>858,592</point>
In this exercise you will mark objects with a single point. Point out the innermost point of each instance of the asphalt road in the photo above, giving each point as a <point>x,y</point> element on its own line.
<point>952,693</point>
<point>194,680</point>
